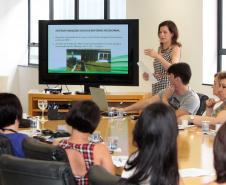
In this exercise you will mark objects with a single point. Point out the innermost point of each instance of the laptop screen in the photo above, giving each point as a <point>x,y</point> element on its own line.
<point>99,97</point>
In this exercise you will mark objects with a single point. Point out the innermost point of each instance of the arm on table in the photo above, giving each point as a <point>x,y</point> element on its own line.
<point>221,118</point>
<point>181,112</point>
<point>140,105</point>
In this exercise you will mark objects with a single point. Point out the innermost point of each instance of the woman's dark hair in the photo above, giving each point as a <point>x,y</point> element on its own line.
<point>155,135</point>
<point>181,70</point>
<point>173,29</point>
<point>10,109</point>
<point>84,116</point>
<point>219,150</point>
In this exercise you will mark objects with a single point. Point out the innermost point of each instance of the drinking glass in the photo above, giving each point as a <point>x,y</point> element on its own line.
<point>33,125</point>
<point>112,142</point>
<point>205,127</point>
<point>42,105</point>
<point>96,137</point>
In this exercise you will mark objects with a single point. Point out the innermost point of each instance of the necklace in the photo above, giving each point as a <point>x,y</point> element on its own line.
<point>164,50</point>
<point>8,129</point>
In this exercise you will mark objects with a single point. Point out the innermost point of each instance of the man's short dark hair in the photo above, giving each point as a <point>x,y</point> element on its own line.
<point>10,109</point>
<point>181,70</point>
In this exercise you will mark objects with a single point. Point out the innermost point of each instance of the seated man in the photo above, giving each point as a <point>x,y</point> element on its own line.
<point>10,117</point>
<point>218,115</point>
<point>179,95</point>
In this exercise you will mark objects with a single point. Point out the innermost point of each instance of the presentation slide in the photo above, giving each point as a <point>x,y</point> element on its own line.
<point>96,48</point>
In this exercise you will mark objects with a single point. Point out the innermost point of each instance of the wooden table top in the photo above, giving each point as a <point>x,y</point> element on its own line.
<point>194,147</point>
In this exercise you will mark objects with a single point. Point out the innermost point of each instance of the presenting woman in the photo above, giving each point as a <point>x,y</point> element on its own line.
<point>168,53</point>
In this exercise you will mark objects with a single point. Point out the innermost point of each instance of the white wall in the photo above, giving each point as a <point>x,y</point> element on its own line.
<point>187,14</point>
<point>188,17</point>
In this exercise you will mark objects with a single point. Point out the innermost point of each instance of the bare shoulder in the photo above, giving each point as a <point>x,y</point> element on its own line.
<point>101,153</point>
<point>176,48</point>
<point>100,147</point>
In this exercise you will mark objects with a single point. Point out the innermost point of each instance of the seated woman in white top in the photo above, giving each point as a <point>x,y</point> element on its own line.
<point>155,135</point>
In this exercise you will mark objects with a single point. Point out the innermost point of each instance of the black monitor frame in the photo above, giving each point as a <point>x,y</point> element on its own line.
<point>130,79</point>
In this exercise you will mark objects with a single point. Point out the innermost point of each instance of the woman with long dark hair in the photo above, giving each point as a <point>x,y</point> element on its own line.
<point>219,150</point>
<point>155,161</point>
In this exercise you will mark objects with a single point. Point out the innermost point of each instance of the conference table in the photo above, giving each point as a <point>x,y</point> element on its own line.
<point>194,147</point>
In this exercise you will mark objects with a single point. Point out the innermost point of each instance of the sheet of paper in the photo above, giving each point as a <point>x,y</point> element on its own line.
<point>182,127</point>
<point>195,172</point>
<point>119,161</point>
<point>146,69</point>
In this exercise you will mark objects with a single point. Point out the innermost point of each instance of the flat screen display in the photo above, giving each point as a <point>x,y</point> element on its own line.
<point>89,49</point>
<point>89,52</point>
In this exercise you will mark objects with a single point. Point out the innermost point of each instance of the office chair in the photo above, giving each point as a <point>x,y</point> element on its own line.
<point>37,150</point>
<point>21,171</point>
<point>5,145</point>
<point>202,107</point>
<point>97,175</point>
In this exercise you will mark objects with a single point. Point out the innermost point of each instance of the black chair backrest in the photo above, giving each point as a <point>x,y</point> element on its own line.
<point>21,171</point>
<point>202,106</point>
<point>37,150</point>
<point>97,175</point>
<point>5,145</point>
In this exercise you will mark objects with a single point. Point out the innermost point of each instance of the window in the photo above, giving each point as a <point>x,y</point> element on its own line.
<point>68,9</point>
<point>221,36</point>
<point>63,9</point>
<point>209,41</point>
<point>214,38</point>
<point>91,9</point>
<point>34,16</point>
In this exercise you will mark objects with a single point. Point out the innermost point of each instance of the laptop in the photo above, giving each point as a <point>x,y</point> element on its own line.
<point>99,97</point>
